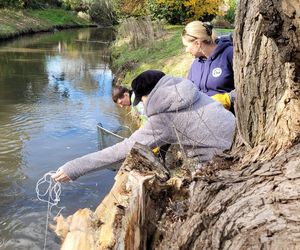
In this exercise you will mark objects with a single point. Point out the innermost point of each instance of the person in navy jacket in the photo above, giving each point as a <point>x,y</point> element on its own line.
<point>211,70</point>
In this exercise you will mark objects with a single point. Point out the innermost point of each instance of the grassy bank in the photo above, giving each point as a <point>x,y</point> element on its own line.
<point>167,55</point>
<point>16,22</point>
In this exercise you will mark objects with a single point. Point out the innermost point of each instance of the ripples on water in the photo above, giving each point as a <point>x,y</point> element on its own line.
<point>53,92</point>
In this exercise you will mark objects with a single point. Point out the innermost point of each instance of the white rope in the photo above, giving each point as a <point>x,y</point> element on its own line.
<point>51,196</point>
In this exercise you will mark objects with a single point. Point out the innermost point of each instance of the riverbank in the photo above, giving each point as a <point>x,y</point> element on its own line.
<point>166,54</point>
<point>14,22</point>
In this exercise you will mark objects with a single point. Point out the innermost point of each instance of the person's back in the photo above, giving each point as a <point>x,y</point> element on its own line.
<point>179,113</point>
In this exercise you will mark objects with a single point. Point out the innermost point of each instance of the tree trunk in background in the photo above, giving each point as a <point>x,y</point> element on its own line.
<point>267,75</point>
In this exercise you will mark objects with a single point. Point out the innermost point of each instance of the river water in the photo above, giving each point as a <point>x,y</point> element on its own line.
<point>54,89</point>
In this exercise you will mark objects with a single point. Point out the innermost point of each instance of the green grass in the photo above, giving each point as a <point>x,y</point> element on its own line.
<point>224,31</point>
<point>159,50</point>
<point>149,57</point>
<point>167,55</point>
<point>4,28</point>
<point>56,16</point>
<point>14,22</point>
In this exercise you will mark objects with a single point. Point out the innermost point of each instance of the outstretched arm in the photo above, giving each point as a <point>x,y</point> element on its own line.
<point>101,159</point>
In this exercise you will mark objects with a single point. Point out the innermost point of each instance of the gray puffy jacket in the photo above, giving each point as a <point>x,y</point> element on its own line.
<point>178,113</point>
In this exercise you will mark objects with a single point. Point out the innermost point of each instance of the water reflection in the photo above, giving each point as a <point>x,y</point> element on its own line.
<point>54,90</point>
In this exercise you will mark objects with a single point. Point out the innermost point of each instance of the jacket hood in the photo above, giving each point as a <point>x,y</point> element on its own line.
<point>221,46</point>
<point>171,94</point>
<point>225,38</point>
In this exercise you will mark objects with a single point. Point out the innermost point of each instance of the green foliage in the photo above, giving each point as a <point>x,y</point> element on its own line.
<point>56,16</point>
<point>182,11</point>
<point>9,3</point>
<point>107,12</point>
<point>78,5</point>
<point>30,3</point>
<point>163,11</point>
<point>173,11</point>
<point>230,15</point>
<point>102,13</point>
<point>127,8</point>
<point>15,22</point>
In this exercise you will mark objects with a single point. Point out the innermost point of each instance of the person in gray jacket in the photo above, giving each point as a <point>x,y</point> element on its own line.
<point>177,114</point>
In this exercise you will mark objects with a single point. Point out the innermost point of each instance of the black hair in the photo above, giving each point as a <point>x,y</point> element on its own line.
<point>208,27</point>
<point>118,92</point>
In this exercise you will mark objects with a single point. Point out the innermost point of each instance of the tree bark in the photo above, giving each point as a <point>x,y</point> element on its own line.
<point>257,207</point>
<point>267,75</point>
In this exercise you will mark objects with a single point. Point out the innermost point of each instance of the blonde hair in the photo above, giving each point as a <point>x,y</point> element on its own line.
<point>199,30</point>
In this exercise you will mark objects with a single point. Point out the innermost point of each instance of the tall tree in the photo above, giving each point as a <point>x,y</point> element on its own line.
<point>177,11</point>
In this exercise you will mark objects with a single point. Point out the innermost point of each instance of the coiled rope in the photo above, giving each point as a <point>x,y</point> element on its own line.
<point>51,196</point>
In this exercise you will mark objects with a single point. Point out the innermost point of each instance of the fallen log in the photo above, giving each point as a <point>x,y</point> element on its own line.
<point>127,217</point>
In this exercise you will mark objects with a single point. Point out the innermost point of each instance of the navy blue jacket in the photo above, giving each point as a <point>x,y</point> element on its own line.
<point>214,75</point>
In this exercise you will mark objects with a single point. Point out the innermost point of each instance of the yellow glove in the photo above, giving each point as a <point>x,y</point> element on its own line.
<point>155,150</point>
<point>224,99</point>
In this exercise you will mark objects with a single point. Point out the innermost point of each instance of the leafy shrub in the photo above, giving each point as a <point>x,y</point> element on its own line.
<point>102,13</point>
<point>30,3</point>
<point>230,15</point>
<point>78,5</point>
<point>221,22</point>
<point>163,11</point>
<point>182,11</point>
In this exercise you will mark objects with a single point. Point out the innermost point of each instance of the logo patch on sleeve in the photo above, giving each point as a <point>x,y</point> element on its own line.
<point>216,72</point>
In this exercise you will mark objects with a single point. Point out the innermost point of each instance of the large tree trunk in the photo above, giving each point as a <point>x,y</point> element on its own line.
<point>257,207</point>
<point>267,75</point>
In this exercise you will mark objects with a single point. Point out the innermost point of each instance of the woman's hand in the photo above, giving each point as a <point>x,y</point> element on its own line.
<point>60,176</point>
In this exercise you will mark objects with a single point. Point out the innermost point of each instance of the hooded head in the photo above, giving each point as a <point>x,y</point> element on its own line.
<point>143,84</point>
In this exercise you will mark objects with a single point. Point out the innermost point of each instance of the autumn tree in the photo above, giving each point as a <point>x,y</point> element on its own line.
<point>178,11</point>
<point>125,8</point>
<point>174,11</point>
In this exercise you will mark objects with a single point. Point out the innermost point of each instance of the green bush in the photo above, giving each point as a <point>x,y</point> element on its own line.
<point>78,5</point>
<point>10,3</point>
<point>230,15</point>
<point>162,11</point>
<point>101,12</point>
<point>221,22</point>
<point>30,3</point>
